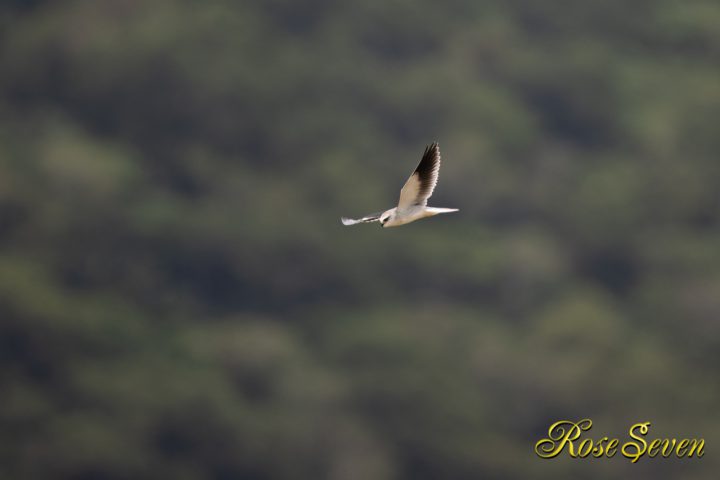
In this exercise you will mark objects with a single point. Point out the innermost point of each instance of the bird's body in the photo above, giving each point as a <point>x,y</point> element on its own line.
<point>415,212</point>
<point>413,196</point>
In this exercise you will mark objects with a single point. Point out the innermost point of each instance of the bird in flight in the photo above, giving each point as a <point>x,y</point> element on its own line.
<point>413,196</point>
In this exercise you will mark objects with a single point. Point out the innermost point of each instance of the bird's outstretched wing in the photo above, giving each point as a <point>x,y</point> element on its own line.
<point>373,217</point>
<point>419,187</point>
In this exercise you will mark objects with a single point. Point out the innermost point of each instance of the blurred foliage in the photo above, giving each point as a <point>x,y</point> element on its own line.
<point>179,300</point>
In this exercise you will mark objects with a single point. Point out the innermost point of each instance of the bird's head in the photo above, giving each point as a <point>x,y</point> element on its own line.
<point>384,218</point>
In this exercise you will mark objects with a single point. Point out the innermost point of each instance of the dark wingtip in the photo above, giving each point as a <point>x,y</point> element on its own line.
<point>431,147</point>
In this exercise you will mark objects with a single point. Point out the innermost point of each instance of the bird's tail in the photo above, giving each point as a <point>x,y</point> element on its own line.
<point>435,210</point>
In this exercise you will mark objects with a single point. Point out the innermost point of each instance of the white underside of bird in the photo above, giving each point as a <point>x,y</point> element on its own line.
<point>413,196</point>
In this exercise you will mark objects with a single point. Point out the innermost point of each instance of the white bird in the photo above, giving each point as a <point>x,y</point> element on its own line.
<point>413,196</point>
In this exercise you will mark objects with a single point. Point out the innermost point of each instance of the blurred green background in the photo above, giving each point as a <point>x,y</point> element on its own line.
<point>178,298</point>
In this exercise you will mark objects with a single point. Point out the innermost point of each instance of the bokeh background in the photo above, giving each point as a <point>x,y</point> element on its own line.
<point>178,298</point>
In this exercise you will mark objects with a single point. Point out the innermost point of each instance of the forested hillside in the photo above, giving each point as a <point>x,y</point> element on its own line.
<point>178,298</point>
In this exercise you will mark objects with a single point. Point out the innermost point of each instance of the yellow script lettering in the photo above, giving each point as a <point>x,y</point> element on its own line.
<point>561,433</point>
<point>635,450</point>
